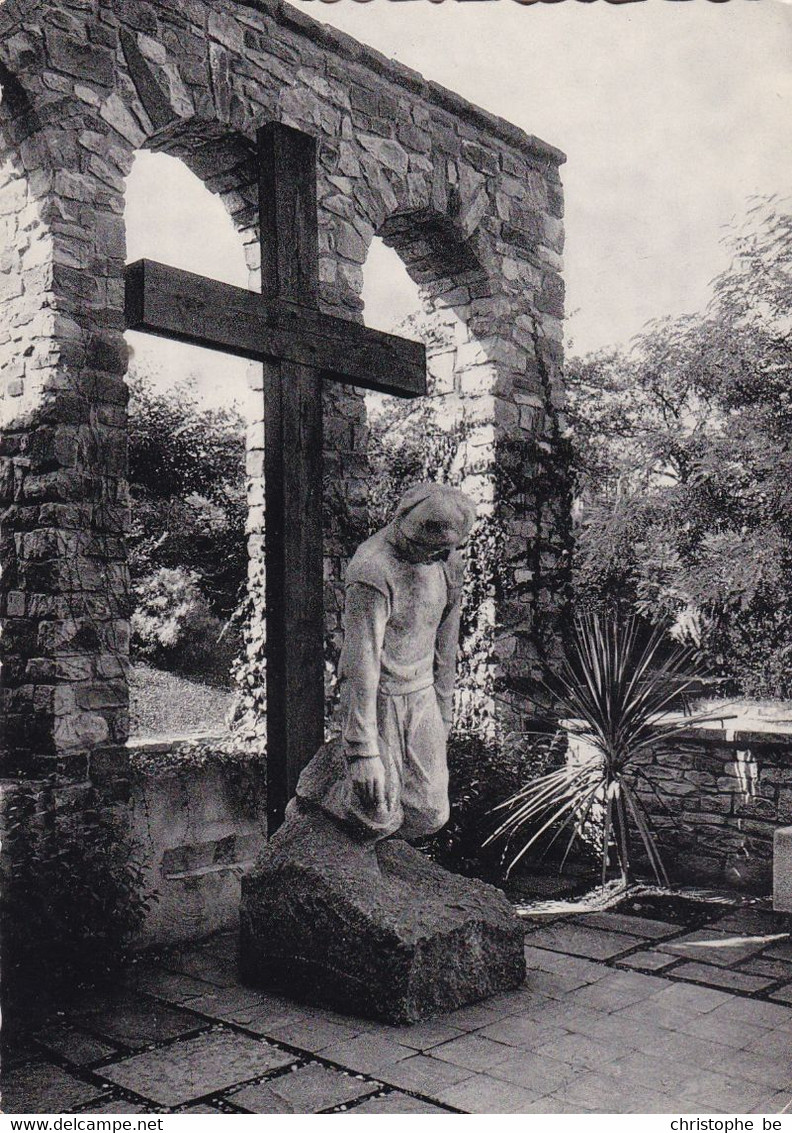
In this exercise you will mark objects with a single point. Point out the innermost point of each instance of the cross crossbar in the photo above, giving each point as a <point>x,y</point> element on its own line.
<point>177,304</point>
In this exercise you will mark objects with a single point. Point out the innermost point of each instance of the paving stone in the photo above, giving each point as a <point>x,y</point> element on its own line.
<point>775,969</point>
<point>582,1050</point>
<point>366,1053</point>
<point>525,1034</point>
<point>472,1052</point>
<point>483,1094</point>
<point>774,1103</point>
<point>311,1034</point>
<point>537,1073</point>
<point>661,1074</point>
<point>307,1090</point>
<point>232,1004</point>
<point>136,1021</point>
<point>260,1014</point>
<point>691,1000</point>
<point>396,1102</point>
<point>716,1092</point>
<point>619,990</point>
<point>596,1092</point>
<point>753,1011</point>
<point>775,1043</point>
<point>424,1036</point>
<point>172,986</point>
<point>649,961</point>
<point>74,1046</point>
<point>577,967</point>
<point>710,947</point>
<point>590,943</point>
<point>752,922</point>
<point>474,1018</point>
<point>220,970</point>
<point>782,994</point>
<point>721,977</point>
<point>781,950</point>
<point>186,1071</point>
<point>424,1074</point>
<point>116,1106</point>
<point>774,1072</point>
<point>633,926</point>
<point>208,1109</point>
<point>40,1087</point>
<point>729,1032</point>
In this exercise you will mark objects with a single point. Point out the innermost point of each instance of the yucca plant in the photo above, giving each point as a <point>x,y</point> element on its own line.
<point>614,691</point>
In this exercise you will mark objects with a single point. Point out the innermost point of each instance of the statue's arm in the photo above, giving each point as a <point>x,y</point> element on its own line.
<point>366,613</point>
<point>447,644</point>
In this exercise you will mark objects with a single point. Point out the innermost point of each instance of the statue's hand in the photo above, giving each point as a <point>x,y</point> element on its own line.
<point>368,777</point>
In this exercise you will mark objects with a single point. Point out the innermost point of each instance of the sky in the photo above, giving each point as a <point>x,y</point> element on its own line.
<point>671,115</point>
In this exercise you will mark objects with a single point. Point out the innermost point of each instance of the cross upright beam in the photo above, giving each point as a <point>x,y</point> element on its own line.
<point>292,469</point>
<point>298,345</point>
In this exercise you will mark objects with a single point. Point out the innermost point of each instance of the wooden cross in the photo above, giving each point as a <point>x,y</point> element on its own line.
<point>299,345</point>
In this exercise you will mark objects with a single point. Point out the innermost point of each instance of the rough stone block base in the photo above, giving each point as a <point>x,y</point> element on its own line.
<point>782,870</point>
<point>375,931</point>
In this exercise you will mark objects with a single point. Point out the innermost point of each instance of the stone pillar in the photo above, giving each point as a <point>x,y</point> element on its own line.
<point>64,576</point>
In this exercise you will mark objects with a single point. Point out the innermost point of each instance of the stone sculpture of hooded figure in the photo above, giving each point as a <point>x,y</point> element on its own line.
<point>387,772</point>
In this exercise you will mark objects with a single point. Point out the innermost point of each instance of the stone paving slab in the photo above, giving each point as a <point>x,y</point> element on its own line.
<point>424,1074</point>
<point>424,1036</point>
<point>472,1052</point>
<point>313,1035</point>
<point>197,962</point>
<point>577,940</point>
<point>483,1094</point>
<point>367,1053</point>
<point>136,1021</point>
<point>310,1089</point>
<point>721,977</point>
<point>649,960</point>
<point>782,994</point>
<point>752,921</point>
<point>75,1046</point>
<point>189,1070</point>
<point>710,947</point>
<point>642,927</point>
<point>536,1073</point>
<point>116,1106</point>
<point>41,1087</point>
<point>779,950</point>
<point>395,1102</point>
<point>775,969</point>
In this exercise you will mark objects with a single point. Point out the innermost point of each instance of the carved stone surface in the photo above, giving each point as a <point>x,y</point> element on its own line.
<point>379,931</point>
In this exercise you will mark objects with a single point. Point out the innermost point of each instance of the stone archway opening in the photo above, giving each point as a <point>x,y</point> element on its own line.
<point>188,414</point>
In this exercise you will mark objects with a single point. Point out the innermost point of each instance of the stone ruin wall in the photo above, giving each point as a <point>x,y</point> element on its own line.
<point>472,205</point>
<point>715,802</point>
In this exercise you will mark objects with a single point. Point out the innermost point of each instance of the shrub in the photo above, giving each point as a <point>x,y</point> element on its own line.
<point>174,628</point>
<point>71,898</point>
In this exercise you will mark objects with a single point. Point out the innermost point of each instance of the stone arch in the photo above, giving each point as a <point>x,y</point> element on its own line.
<point>391,146</point>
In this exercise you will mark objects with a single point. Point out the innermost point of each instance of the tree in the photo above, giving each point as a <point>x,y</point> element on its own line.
<point>187,543</point>
<point>684,466</point>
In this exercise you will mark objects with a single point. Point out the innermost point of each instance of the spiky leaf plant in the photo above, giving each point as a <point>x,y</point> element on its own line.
<point>615,691</point>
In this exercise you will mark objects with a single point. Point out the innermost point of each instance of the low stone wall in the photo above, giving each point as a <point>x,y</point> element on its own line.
<point>716,800</point>
<point>196,822</point>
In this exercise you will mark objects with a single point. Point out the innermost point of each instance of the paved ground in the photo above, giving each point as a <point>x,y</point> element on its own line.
<point>619,1015</point>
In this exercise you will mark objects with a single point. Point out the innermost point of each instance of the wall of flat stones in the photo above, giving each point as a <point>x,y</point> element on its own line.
<point>722,801</point>
<point>193,825</point>
<point>472,204</point>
